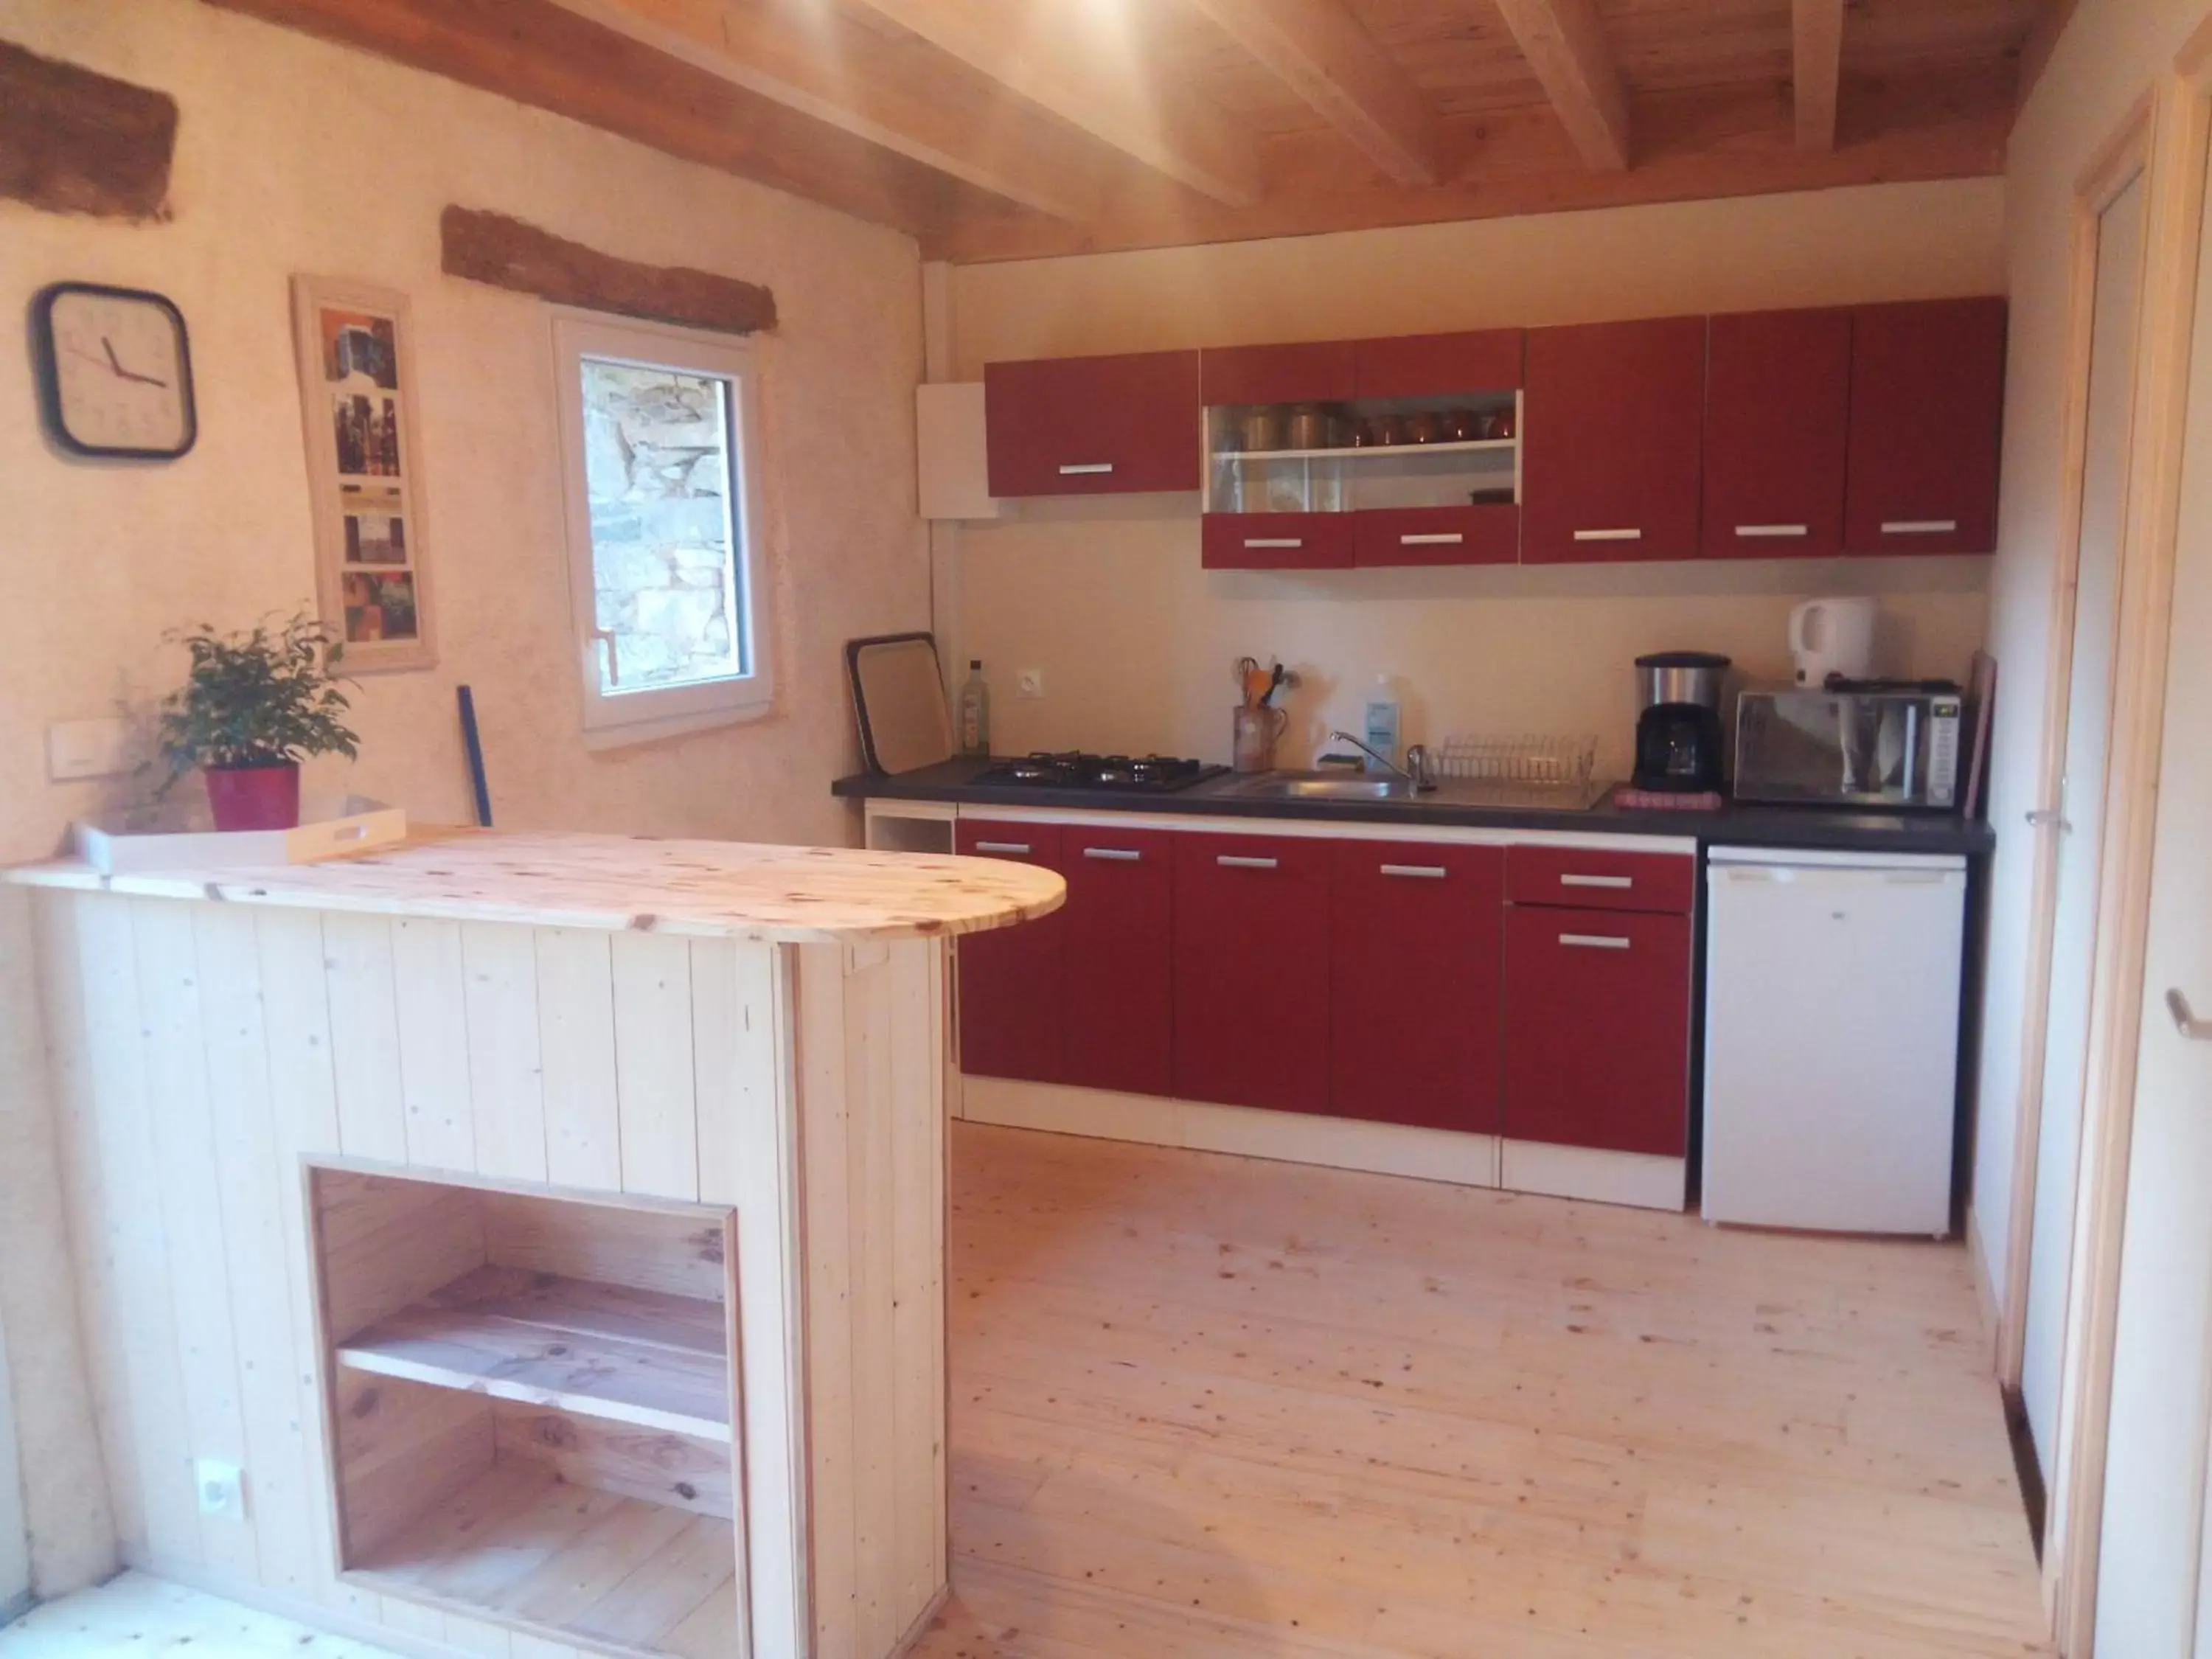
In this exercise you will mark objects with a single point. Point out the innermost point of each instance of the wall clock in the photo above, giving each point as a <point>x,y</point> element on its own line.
<point>115,372</point>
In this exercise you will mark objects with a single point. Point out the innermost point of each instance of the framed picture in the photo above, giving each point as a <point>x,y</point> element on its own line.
<point>364,471</point>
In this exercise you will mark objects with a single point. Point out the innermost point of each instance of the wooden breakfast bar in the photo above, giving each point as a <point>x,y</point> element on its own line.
<point>523,1244</point>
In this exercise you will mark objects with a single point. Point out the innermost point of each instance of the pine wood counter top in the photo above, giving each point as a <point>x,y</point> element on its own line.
<point>711,888</point>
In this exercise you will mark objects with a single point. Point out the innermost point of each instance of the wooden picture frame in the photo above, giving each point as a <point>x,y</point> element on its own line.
<point>357,387</point>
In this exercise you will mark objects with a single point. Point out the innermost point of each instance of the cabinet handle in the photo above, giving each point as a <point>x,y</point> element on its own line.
<point>1608,535</point>
<point>1002,847</point>
<point>1917,526</point>
<point>1274,541</point>
<point>1619,884</point>
<point>1114,855</point>
<point>2184,1021</point>
<point>1594,941</point>
<point>1433,539</point>
<point>1072,469</point>
<point>1233,861</point>
<point>1427,872</point>
<point>1771,530</point>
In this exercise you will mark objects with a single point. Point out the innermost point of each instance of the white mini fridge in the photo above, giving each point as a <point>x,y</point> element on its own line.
<point>1832,1038</point>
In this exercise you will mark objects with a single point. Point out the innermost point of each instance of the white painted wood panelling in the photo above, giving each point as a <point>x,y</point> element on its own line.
<point>205,1053</point>
<point>14,1533</point>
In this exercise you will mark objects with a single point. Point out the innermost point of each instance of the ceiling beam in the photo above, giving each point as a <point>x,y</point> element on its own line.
<point>1318,49</point>
<point>831,72</point>
<point>536,53</point>
<point>1565,43</point>
<point>1816,59</point>
<point>1053,56</point>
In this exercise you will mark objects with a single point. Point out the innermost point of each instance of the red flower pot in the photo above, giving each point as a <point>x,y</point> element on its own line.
<point>254,797</point>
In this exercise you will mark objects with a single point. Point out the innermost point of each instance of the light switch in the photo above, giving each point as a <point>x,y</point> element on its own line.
<point>88,748</point>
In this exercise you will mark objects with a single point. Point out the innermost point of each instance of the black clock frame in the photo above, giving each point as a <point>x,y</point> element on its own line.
<point>45,363</point>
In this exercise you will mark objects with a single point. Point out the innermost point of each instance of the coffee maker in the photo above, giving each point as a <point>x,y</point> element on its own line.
<point>1678,735</point>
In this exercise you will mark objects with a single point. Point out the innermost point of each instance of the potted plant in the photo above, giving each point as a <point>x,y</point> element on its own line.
<point>257,703</point>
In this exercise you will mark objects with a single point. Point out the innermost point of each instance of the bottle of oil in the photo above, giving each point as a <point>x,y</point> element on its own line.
<point>975,711</point>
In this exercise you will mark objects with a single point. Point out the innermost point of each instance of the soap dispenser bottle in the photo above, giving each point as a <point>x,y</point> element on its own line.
<point>1382,724</point>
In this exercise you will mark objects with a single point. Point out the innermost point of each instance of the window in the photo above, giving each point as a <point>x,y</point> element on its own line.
<point>661,464</point>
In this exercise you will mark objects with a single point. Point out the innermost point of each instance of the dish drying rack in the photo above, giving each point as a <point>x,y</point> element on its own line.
<point>1555,762</point>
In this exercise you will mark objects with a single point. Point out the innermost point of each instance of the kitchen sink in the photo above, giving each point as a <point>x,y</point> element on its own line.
<point>1489,795</point>
<point>1321,786</point>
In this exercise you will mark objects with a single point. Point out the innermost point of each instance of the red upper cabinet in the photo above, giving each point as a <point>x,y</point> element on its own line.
<point>1614,429</point>
<point>1120,1013</point>
<point>1278,541</point>
<point>1415,935</point>
<point>1317,373</point>
<point>1086,426</point>
<point>1252,970</point>
<point>1438,365</point>
<point>1927,408</point>
<point>1011,982</point>
<point>1778,418</point>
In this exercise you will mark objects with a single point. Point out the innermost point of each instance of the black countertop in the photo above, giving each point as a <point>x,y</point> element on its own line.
<point>1735,825</point>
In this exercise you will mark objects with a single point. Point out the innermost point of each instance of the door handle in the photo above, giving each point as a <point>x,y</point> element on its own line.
<point>1594,941</point>
<point>1608,535</point>
<point>1429,872</point>
<point>1918,526</point>
<point>1274,541</point>
<point>1002,847</point>
<point>1114,855</point>
<point>1431,539</point>
<point>2184,1020</point>
<point>2043,815</point>
<point>1077,469</point>
<point>1770,531</point>
<point>1621,883</point>
<point>1232,861</point>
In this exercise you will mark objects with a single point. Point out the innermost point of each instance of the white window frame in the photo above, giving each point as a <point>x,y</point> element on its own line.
<point>614,717</point>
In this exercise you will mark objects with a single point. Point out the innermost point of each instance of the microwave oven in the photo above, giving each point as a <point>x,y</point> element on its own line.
<point>1873,745</point>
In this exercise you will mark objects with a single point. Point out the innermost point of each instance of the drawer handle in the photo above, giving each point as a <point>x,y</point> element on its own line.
<point>1771,530</point>
<point>1594,941</point>
<point>1073,469</point>
<point>1002,847</point>
<point>1114,855</point>
<point>1918,526</point>
<point>1619,884</point>
<point>1235,862</point>
<point>1608,535</point>
<point>1433,539</point>
<point>1274,541</point>
<point>1427,872</point>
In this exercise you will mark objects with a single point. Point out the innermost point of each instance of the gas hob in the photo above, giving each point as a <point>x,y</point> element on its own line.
<point>1142,774</point>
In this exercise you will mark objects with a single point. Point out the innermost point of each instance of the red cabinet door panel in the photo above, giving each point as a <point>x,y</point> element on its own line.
<point>1613,432</point>
<point>1778,418</point>
<point>1011,986</point>
<point>1319,372</point>
<point>1439,365</point>
<point>1597,1029</point>
<point>1489,534</point>
<point>1118,952</point>
<point>1662,882</point>
<point>1276,541</point>
<point>1090,426</point>
<point>1927,408</point>
<point>1416,935</point>
<point>1251,971</point>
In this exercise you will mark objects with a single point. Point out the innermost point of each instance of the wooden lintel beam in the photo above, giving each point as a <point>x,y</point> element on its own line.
<point>1046,55</point>
<point>1318,49</point>
<point>1565,43</point>
<point>73,141</point>
<point>828,72</point>
<point>1816,57</point>
<point>491,248</point>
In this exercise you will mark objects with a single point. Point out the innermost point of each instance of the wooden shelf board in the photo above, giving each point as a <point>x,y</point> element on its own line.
<point>522,1547</point>
<point>647,1358</point>
<point>1353,452</point>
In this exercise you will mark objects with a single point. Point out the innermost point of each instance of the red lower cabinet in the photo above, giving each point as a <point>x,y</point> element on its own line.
<point>1012,989</point>
<point>1416,935</point>
<point>1597,1029</point>
<point>1252,971</point>
<point>1119,1017</point>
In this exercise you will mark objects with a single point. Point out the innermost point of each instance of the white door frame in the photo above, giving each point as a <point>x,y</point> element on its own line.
<point>15,1530</point>
<point>2179,121</point>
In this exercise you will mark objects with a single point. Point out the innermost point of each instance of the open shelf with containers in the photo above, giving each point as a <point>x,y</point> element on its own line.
<point>532,1407</point>
<point>1363,453</point>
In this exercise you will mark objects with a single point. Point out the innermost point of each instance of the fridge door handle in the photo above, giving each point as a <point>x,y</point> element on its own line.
<point>2184,1018</point>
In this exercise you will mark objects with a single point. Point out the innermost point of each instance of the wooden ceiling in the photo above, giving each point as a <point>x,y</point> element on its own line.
<point>1013,129</point>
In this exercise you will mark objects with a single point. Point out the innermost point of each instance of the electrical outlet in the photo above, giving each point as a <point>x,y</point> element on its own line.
<point>88,748</point>
<point>222,1488</point>
<point>1029,683</point>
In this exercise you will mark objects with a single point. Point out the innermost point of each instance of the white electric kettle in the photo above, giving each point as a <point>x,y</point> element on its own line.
<point>1833,637</point>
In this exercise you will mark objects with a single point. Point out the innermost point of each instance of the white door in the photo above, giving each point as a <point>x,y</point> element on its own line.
<point>2080,807</point>
<point>2154,1598</point>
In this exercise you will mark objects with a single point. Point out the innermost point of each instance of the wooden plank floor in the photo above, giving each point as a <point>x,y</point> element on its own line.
<point>1210,1406</point>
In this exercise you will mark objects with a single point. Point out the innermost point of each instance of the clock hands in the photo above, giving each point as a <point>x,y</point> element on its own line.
<point>116,367</point>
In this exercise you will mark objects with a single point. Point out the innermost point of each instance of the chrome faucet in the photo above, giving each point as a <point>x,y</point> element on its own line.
<point>1415,771</point>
